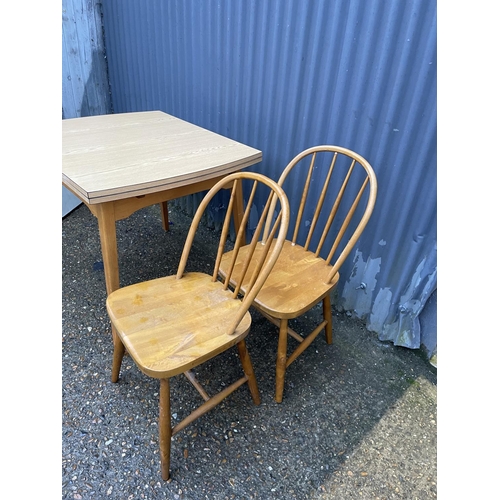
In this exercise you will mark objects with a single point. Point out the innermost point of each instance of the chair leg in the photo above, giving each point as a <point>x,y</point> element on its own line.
<point>165,428</point>
<point>327,315</point>
<point>248,369</point>
<point>281,360</point>
<point>118,352</point>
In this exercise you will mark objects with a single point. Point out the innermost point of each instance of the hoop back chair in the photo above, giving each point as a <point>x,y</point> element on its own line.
<point>172,324</point>
<point>328,217</point>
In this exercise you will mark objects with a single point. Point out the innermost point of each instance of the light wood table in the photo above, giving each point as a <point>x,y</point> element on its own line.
<point>117,164</point>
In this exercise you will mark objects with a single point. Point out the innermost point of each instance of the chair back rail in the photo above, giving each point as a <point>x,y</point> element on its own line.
<point>267,258</point>
<point>331,211</point>
<point>172,324</point>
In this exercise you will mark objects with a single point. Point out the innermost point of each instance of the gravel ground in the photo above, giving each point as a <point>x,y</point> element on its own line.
<point>358,418</point>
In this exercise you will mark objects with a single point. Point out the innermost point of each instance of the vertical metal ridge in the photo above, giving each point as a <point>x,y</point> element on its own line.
<point>285,75</point>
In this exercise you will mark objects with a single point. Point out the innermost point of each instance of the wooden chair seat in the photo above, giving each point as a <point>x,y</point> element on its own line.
<point>172,324</point>
<point>155,322</point>
<point>297,283</point>
<point>338,188</point>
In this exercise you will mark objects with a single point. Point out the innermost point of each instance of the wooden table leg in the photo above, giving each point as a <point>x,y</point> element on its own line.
<point>107,232</point>
<point>105,214</point>
<point>107,217</point>
<point>164,215</point>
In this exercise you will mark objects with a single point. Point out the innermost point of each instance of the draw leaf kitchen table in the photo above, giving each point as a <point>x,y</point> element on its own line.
<point>119,163</point>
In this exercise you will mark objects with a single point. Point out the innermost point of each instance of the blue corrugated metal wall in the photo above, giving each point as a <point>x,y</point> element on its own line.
<point>285,75</point>
<point>85,86</point>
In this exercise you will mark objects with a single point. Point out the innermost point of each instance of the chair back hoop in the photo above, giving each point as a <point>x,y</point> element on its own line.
<point>270,253</point>
<point>369,181</point>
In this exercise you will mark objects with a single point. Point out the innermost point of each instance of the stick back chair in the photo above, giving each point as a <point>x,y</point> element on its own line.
<point>172,324</point>
<point>337,200</point>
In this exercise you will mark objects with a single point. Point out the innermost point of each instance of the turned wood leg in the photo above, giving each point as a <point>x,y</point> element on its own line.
<point>118,352</point>
<point>105,213</point>
<point>107,231</point>
<point>165,428</point>
<point>281,360</point>
<point>327,315</point>
<point>248,369</point>
<point>164,215</point>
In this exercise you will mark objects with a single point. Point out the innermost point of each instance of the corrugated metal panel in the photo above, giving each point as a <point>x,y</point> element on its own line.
<point>85,84</point>
<point>85,87</point>
<point>282,76</point>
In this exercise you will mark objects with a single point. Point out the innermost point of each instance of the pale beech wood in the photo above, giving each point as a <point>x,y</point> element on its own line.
<point>172,324</point>
<point>277,322</point>
<point>333,211</point>
<point>319,206</point>
<point>298,281</point>
<point>209,405</point>
<point>302,278</point>
<point>303,199</point>
<point>305,343</point>
<point>246,363</point>
<point>118,353</point>
<point>357,233</point>
<point>281,360</point>
<point>191,377</point>
<point>109,248</point>
<point>165,428</point>
<point>117,164</point>
<point>225,232</point>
